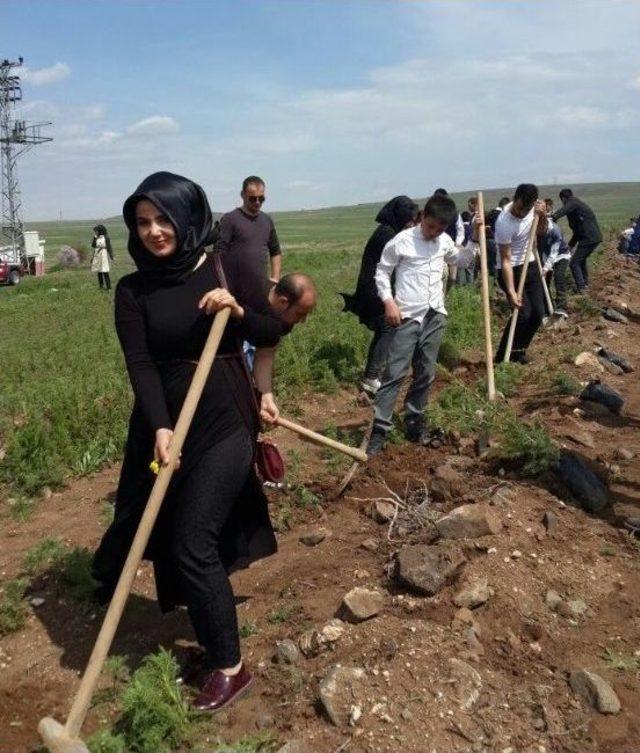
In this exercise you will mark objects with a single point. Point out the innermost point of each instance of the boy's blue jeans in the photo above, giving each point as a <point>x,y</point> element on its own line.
<point>416,344</point>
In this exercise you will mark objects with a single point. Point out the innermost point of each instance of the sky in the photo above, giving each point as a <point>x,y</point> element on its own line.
<point>332,102</point>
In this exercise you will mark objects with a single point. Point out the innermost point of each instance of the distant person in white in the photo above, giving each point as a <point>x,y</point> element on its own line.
<point>513,226</point>
<point>415,258</point>
<point>102,256</point>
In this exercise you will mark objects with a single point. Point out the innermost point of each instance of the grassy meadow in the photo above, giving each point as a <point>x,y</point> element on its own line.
<point>64,395</point>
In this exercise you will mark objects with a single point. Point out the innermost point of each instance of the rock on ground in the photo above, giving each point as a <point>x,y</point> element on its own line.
<point>472,594</point>
<point>447,484</point>
<point>361,604</point>
<point>295,746</point>
<point>382,512</point>
<point>582,482</point>
<point>313,642</point>
<point>467,682</point>
<point>427,569</point>
<point>313,536</point>
<point>595,691</point>
<point>589,360</point>
<point>340,690</point>
<point>469,522</point>
<point>287,652</point>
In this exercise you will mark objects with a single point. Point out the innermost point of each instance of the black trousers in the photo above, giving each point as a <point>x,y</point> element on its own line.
<point>104,280</point>
<point>378,349</point>
<point>204,502</point>
<point>559,276</point>
<point>578,264</point>
<point>530,316</point>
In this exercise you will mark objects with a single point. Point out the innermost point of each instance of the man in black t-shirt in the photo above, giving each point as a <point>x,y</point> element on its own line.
<point>250,232</point>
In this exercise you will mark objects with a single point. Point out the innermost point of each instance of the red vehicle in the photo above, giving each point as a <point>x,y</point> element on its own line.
<point>10,273</point>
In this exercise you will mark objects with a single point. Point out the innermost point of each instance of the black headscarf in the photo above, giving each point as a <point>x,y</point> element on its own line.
<point>393,217</point>
<point>397,212</point>
<point>101,230</point>
<point>185,205</point>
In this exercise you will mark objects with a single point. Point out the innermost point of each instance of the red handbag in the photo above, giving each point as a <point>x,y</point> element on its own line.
<point>268,461</point>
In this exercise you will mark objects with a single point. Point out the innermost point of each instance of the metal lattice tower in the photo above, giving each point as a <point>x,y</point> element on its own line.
<point>16,138</point>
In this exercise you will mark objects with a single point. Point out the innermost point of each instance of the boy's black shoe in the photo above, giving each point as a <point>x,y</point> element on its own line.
<point>376,442</point>
<point>414,429</point>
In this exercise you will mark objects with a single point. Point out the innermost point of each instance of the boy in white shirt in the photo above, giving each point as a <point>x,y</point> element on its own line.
<point>417,257</point>
<point>512,235</point>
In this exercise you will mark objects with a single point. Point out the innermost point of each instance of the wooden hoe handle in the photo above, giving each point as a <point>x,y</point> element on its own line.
<point>83,696</point>
<point>486,311</point>
<point>523,277</point>
<point>354,452</point>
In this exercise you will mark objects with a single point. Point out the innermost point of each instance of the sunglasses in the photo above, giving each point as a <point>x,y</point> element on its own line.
<point>259,199</point>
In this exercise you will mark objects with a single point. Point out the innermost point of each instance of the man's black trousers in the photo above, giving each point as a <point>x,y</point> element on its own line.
<point>530,316</point>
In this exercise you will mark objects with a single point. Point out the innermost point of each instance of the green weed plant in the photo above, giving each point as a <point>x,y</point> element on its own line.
<point>13,609</point>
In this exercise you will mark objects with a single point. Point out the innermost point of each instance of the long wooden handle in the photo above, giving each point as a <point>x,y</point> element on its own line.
<point>523,277</point>
<point>545,287</point>
<point>354,452</point>
<point>486,311</point>
<point>112,618</point>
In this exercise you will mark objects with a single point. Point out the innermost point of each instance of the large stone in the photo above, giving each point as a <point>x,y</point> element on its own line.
<point>582,482</point>
<point>467,682</point>
<point>313,642</point>
<point>615,316</point>
<point>473,594</point>
<point>553,600</point>
<point>447,484</point>
<point>361,604</point>
<point>595,691</point>
<point>382,512</point>
<point>589,361</point>
<point>287,652</point>
<point>314,535</point>
<point>615,359</point>
<point>612,368</point>
<point>469,522</point>
<point>427,569</point>
<point>340,690</point>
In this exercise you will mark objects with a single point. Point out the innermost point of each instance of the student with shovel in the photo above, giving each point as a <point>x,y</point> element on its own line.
<point>214,517</point>
<point>512,231</point>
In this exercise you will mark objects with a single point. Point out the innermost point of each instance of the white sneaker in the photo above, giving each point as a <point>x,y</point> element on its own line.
<point>370,386</point>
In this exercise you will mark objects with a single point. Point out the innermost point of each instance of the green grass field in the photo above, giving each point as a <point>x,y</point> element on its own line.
<point>65,398</point>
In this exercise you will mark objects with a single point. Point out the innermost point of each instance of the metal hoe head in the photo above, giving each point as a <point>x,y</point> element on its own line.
<point>57,740</point>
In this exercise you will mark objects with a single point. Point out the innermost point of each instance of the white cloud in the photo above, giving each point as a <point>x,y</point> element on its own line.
<point>154,124</point>
<point>93,112</point>
<point>635,83</point>
<point>45,76</point>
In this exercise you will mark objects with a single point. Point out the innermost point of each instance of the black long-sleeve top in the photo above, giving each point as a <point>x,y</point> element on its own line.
<point>581,219</point>
<point>162,332</point>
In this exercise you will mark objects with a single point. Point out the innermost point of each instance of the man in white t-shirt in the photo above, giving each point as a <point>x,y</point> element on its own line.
<point>512,230</point>
<point>415,259</point>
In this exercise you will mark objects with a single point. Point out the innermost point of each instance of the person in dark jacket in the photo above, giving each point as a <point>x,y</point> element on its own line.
<point>395,215</point>
<point>633,248</point>
<point>214,518</point>
<point>586,235</point>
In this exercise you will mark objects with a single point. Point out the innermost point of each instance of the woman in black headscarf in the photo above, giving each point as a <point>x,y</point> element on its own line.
<point>102,256</point>
<point>395,215</point>
<point>214,518</point>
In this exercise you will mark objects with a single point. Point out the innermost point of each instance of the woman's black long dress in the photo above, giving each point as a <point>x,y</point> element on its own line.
<point>162,333</point>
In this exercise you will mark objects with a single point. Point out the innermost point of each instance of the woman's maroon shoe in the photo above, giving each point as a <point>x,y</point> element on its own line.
<point>219,690</point>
